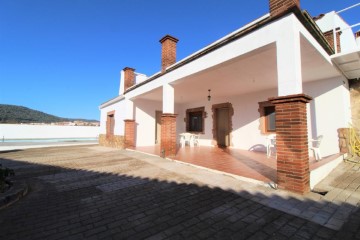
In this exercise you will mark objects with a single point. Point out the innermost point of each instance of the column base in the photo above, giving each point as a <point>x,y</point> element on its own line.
<point>129,133</point>
<point>293,172</point>
<point>168,146</point>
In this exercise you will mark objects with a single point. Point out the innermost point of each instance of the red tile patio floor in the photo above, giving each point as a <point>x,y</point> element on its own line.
<point>248,164</point>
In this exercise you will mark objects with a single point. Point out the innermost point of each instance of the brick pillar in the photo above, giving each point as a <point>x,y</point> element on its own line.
<point>280,7</point>
<point>168,134</point>
<point>293,172</point>
<point>168,51</point>
<point>129,133</point>
<point>329,35</point>
<point>129,77</point>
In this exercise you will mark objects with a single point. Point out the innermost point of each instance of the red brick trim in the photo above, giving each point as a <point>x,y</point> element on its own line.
<point>129,133</point>
<point>168,134</point>
<point>110,124</point>
<point>111,113</point>
<point>292,142</point>
<point>291,98</point>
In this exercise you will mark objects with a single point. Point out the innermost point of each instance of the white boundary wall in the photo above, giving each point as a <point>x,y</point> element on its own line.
<point>24,131</point>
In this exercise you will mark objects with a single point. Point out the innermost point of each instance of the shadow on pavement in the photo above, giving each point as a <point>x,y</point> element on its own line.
<point>98,196</point>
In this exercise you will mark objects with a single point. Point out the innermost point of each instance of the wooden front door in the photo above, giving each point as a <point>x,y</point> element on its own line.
<point>222,128</point>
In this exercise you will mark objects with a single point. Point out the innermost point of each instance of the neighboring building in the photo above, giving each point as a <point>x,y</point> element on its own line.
<point>279,70</point>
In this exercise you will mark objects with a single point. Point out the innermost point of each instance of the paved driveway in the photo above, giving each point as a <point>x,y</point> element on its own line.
<point>90,192</point>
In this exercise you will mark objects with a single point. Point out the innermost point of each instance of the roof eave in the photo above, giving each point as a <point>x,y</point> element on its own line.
<point>112,101</point>
<point>303,16</point>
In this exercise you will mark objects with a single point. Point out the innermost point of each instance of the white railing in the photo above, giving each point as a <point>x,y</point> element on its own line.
<point>335,30</point>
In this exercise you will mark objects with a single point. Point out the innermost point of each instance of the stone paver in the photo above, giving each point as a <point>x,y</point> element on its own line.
<point>90,192</point>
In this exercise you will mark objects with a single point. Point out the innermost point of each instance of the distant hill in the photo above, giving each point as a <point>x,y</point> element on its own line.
<point>20,114</point>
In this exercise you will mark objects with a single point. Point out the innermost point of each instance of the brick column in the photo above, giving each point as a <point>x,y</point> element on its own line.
<point>129,133</point>
<point>168,134</point>
<point>293,172</point>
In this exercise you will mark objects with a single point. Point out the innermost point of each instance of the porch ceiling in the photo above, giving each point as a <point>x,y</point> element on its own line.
<point>252,72</point>
<point>348,63</point>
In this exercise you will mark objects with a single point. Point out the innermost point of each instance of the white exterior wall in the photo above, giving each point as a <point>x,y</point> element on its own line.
<point>25,131</point>
<point>122,82</point>
<point>119,116</point>
<point>329,111</point>
<point>246,132</point>
<point>139,77</point>
<point>145,120</point>
<point>246,121</point>
<point>205,139</point>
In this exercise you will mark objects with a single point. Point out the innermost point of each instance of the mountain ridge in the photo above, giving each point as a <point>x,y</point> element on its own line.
<point>20,114</point>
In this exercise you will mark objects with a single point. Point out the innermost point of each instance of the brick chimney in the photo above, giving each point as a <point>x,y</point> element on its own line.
<point>129,77</point>
<point>279,7</point>
<point>329,35</point>
<point>168,51</point>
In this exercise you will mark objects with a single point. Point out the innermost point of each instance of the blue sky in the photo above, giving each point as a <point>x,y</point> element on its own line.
<point>63,57</point>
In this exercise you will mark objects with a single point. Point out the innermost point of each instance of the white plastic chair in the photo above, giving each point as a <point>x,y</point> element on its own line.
<point>195,139</point>
<point>270,144</point>
<point>186,138</point>
<point>315,146</point>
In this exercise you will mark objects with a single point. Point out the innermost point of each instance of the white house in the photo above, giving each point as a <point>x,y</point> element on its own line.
<point>278,74</point>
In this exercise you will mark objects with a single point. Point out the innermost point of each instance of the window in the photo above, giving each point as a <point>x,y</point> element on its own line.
<point>110,124</point>
<point>195,122</point>
<point>195,119</point>
<point>267,117</point>
<point>270,118</point>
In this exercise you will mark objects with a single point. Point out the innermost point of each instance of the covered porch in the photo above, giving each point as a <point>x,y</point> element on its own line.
<point>243,164</point>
